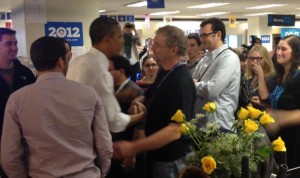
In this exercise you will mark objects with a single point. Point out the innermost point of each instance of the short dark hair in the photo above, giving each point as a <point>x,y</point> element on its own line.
<point>216,25</point>
<point>120,62</point>
<point>195,36</point>
<point>46,51</point>
<point>6,31</point>
<point>66,42</point>
<point>101,27</point>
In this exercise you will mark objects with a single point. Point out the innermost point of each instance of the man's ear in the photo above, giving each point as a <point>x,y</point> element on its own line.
<point>219,34</point>
<point>174,50</point>
<point>122,71</point>
<point>107,39</point>
<point>60,63</point>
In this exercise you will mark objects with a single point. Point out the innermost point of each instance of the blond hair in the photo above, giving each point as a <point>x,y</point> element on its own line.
<point>268,68</point>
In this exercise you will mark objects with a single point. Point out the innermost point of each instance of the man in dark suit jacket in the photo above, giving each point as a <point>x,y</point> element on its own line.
<point>126,91</point>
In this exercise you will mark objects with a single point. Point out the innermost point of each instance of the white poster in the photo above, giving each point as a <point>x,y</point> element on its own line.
<point>35,11</point>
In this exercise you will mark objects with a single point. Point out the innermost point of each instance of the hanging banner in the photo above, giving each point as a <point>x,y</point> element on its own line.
<point>2,15</point>
<point>121,18</point>
<point>155,4</point>
<point>281,20</point>
<point>130,18</point>
<point>70,31</point>
<point>147,21</point>
<point>232,21</point>
<point>8,16</point>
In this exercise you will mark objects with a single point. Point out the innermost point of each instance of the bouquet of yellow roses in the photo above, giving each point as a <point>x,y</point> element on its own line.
<point>219,153</point>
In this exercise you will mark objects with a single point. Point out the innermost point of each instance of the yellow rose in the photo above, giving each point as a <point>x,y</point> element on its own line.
<point>178,116</point>
<point>254,113</point>
<point>250,126</point>
<point>183,129</point>
<point>210,107</point>
<point>266,119</point>
<point>278,145</point>
<point>243,114</point>
<point>208,164</point>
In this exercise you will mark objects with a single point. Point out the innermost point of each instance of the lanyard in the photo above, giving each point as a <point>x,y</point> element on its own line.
<point>201,74</point>
<point>165,77</point>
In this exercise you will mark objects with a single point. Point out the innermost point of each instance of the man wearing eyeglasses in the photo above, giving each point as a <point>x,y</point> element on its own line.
<point>217,76</point>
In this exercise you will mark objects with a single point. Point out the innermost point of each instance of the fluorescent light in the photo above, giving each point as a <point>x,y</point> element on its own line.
<point>102,11</point>
<point>213,14</point>
<point>138,4</point>
<point>266,6</point>
<point>258,14</point>
<point>208,5</point>
<point>165,13</point>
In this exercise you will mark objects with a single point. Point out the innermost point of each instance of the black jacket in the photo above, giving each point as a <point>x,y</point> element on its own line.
<point>22,76</point>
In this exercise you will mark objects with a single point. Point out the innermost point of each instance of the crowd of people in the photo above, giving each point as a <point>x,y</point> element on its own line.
<point>107,113</point>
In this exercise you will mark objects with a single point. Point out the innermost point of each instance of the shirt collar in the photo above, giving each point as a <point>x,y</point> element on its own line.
<point>215,52</point>
<point>101,56</point>
<point>50,75</point>
<point>122,86</point>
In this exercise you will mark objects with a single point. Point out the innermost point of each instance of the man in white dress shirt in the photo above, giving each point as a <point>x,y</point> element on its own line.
<point>92,69</point>
<point>218,74</point>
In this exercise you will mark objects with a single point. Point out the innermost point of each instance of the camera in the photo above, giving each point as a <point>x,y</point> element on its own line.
<point>128,25</point>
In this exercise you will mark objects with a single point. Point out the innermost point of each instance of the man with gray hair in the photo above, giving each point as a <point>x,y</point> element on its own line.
<point>173,89</point>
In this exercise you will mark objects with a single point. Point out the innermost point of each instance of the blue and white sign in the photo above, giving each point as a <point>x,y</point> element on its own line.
<point>290,31</point>
<point>130,18</point>
<point>70,31</point>
<point>265,38</point>
<point>8,16</point>
<point>2,15</point>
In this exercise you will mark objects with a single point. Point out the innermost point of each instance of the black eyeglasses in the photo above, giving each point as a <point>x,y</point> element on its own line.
<point>205,35</point>
<point>255,58</point>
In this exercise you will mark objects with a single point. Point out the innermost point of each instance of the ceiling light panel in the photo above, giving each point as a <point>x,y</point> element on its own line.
<point>213,14</point>
<point>138,4</point>
<point>208,5</point>
<point>165,13</point>
<point>266,6</point>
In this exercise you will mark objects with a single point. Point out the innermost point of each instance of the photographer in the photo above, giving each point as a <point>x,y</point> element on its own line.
<point>130,50</point>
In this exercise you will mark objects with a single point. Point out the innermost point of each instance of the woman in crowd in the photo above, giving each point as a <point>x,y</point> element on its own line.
<point>149,71</point>
<point>285,98</point>
<point>259,70</point>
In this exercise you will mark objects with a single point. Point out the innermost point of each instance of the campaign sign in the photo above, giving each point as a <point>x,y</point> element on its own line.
<point>265,38</point>
<point>290,31</point>
<point>70,31</point>
<point>130,18</point>
<point>2,15</point>
<point>8,16</point>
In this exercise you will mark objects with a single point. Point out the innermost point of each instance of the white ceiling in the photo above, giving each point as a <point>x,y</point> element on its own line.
<point>236,7</point>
